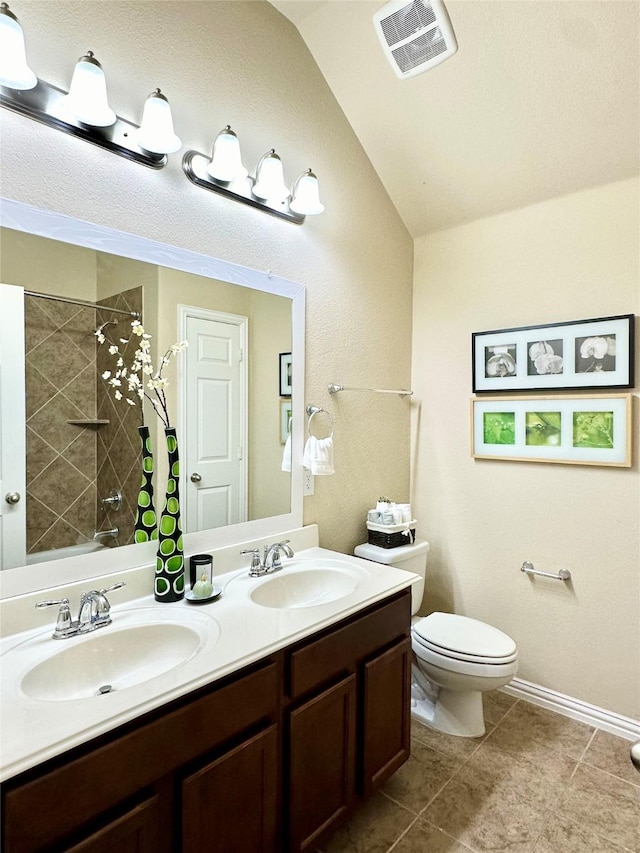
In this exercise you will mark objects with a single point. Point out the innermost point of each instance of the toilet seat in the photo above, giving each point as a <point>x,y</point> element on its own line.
<point>460,638</point>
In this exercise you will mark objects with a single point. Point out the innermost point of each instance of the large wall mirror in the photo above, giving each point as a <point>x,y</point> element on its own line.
<point>71,451</point>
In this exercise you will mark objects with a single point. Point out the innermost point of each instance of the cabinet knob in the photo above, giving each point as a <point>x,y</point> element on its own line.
<point>12,497</point>
<point>196,478</point>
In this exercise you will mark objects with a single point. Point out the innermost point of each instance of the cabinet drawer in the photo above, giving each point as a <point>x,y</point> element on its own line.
<point>339,651</point>
<point>86,786</point>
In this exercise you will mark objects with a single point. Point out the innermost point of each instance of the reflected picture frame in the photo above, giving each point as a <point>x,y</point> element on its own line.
<point>285,420</point>
<point>574,430</point>
<point>580,354</point>
<point>285,373</point>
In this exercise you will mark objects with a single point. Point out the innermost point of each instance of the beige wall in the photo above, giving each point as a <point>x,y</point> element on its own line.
<point>243,63</point>
<point>571,258</point>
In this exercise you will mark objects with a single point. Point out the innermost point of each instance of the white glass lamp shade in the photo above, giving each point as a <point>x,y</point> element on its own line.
<point>226,162</point>
<point>156,132</point>
<point>87,98</point>
<point>14,71</point>
<point>270,185</point>
<point>305,197</point>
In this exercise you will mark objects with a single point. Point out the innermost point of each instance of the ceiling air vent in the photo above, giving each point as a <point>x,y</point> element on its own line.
<point>415,36</point>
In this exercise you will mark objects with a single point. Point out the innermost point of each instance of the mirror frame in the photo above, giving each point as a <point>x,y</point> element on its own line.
<point>56,226</point>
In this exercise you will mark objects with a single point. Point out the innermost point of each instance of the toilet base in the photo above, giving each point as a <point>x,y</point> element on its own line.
<point>454,712</point>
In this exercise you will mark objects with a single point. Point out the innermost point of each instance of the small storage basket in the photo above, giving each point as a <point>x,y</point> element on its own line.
<point>392,535</point>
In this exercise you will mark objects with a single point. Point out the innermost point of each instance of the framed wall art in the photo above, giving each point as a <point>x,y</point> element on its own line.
<point>285,374</point>
<point>582,354</point>
<point>576,430</point>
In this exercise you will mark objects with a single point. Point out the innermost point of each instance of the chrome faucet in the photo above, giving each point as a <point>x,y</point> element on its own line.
<point>95,612</point>
<point>270,561</point>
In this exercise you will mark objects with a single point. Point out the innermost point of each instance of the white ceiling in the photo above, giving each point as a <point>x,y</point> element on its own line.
<point>541,99</point>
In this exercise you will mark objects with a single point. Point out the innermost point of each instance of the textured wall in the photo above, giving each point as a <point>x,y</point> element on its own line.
<point>243,63</point>
<point>571,258</point>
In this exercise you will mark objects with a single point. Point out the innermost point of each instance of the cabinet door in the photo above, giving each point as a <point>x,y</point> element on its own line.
<point>386,714</point>
<point>231,805</point>
<point>321,763</point>
<point>134,832</point>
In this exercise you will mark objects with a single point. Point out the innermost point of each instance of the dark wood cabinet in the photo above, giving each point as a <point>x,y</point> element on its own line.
<point>230,805</point>
<point>322,750</point>
<point>269,760</point>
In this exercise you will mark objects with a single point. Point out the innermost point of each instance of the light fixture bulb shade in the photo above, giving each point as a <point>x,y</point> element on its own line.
<point>156,132</point>
<point>87,98</point>
<point>14,71</point>
<point>305,197</point>
<point>270,185</point>
<point>226,161</point>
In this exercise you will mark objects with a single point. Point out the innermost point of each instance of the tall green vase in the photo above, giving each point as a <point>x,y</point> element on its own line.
<point>146,526</point>
<point>169,580</point>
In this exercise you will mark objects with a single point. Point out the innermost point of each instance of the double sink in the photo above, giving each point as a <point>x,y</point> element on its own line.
<point>144,642</point>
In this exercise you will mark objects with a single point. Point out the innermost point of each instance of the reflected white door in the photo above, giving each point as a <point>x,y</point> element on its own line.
<point>214,418</point>
<point>13,498</point>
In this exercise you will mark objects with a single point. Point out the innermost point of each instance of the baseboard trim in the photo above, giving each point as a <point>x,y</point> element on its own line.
<point>616,724</point>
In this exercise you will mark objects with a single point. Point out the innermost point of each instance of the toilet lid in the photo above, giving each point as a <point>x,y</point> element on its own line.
<point>464,639</point>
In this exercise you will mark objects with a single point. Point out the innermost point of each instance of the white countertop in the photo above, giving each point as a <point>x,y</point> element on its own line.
<point>242,632</point>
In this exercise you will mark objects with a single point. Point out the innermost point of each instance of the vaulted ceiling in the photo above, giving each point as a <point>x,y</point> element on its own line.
<point>541,99</point>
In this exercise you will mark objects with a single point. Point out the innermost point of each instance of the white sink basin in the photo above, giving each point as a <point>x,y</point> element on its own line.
<point>139,645</point>
<point>308,585</point>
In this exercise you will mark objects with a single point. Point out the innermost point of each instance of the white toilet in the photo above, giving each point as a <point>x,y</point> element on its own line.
<point>455,659</point>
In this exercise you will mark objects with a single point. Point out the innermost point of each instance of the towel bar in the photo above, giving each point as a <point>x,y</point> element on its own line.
<point>562,575</point>
<point>333,389</point>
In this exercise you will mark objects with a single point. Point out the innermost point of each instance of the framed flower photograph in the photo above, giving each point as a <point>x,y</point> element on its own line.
<point>582,354</point>
<point>576,430</point>
<point>285,374</point>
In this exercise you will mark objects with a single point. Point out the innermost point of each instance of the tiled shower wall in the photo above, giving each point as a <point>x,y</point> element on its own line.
<point>119,459</point>
<point>72,461</point>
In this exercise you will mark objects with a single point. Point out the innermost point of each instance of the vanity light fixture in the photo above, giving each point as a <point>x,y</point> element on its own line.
<point>14,70</point>
<point>84,111</point>
<point>225,174</point>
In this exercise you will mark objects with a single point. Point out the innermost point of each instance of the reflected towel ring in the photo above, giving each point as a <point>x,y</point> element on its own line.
<point>316,410</point>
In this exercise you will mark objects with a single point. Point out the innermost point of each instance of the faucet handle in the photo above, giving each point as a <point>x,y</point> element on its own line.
<point>65,626</point>
<point>256,566</point>
<point>114,586</point>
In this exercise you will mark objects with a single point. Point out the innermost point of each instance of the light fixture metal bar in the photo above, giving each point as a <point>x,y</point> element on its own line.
<point>44,103</point>
<point>194,166</point>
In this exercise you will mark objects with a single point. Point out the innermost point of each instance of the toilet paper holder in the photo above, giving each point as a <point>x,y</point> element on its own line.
<point>562,575</point>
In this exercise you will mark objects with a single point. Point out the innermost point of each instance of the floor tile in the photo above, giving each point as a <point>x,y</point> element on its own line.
<point>555,730</point>
<point>420,777</point>
<point>495,704</point>
<point>373,829</point>
<point>564,836</point>
<point>457,747</point>
<point>424,838</point>
<point>604,804</point>
<point>523,766</point>
<point>611,753</point>
<point>481,810</point>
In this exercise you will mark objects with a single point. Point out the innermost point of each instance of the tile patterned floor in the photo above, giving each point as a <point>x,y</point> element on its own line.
<point>536,782</point>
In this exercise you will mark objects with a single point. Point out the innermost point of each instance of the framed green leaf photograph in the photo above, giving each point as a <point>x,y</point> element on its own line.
<point>576,430</point>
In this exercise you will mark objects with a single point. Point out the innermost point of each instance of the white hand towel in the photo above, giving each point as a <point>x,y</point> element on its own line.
<point>286,455</point>
<point>318,455</point>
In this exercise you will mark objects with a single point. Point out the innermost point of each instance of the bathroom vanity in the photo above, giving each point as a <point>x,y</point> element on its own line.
<point>271,753</point>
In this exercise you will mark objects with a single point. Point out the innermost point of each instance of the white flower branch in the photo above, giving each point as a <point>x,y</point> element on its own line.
<point>135,376</point>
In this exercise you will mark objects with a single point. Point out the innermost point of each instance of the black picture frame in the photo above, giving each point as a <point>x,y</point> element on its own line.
<point>285,374</point>
<point>577,355</point>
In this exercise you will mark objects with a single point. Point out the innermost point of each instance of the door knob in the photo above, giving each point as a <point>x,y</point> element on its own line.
<point>196,478</point>
<point>12,497</point>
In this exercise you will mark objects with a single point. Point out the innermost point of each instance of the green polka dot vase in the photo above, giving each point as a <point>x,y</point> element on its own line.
<point>146,527</point>
<point>169,579</point>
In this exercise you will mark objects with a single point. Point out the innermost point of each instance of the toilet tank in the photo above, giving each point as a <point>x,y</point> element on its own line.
<point>411,558</point>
